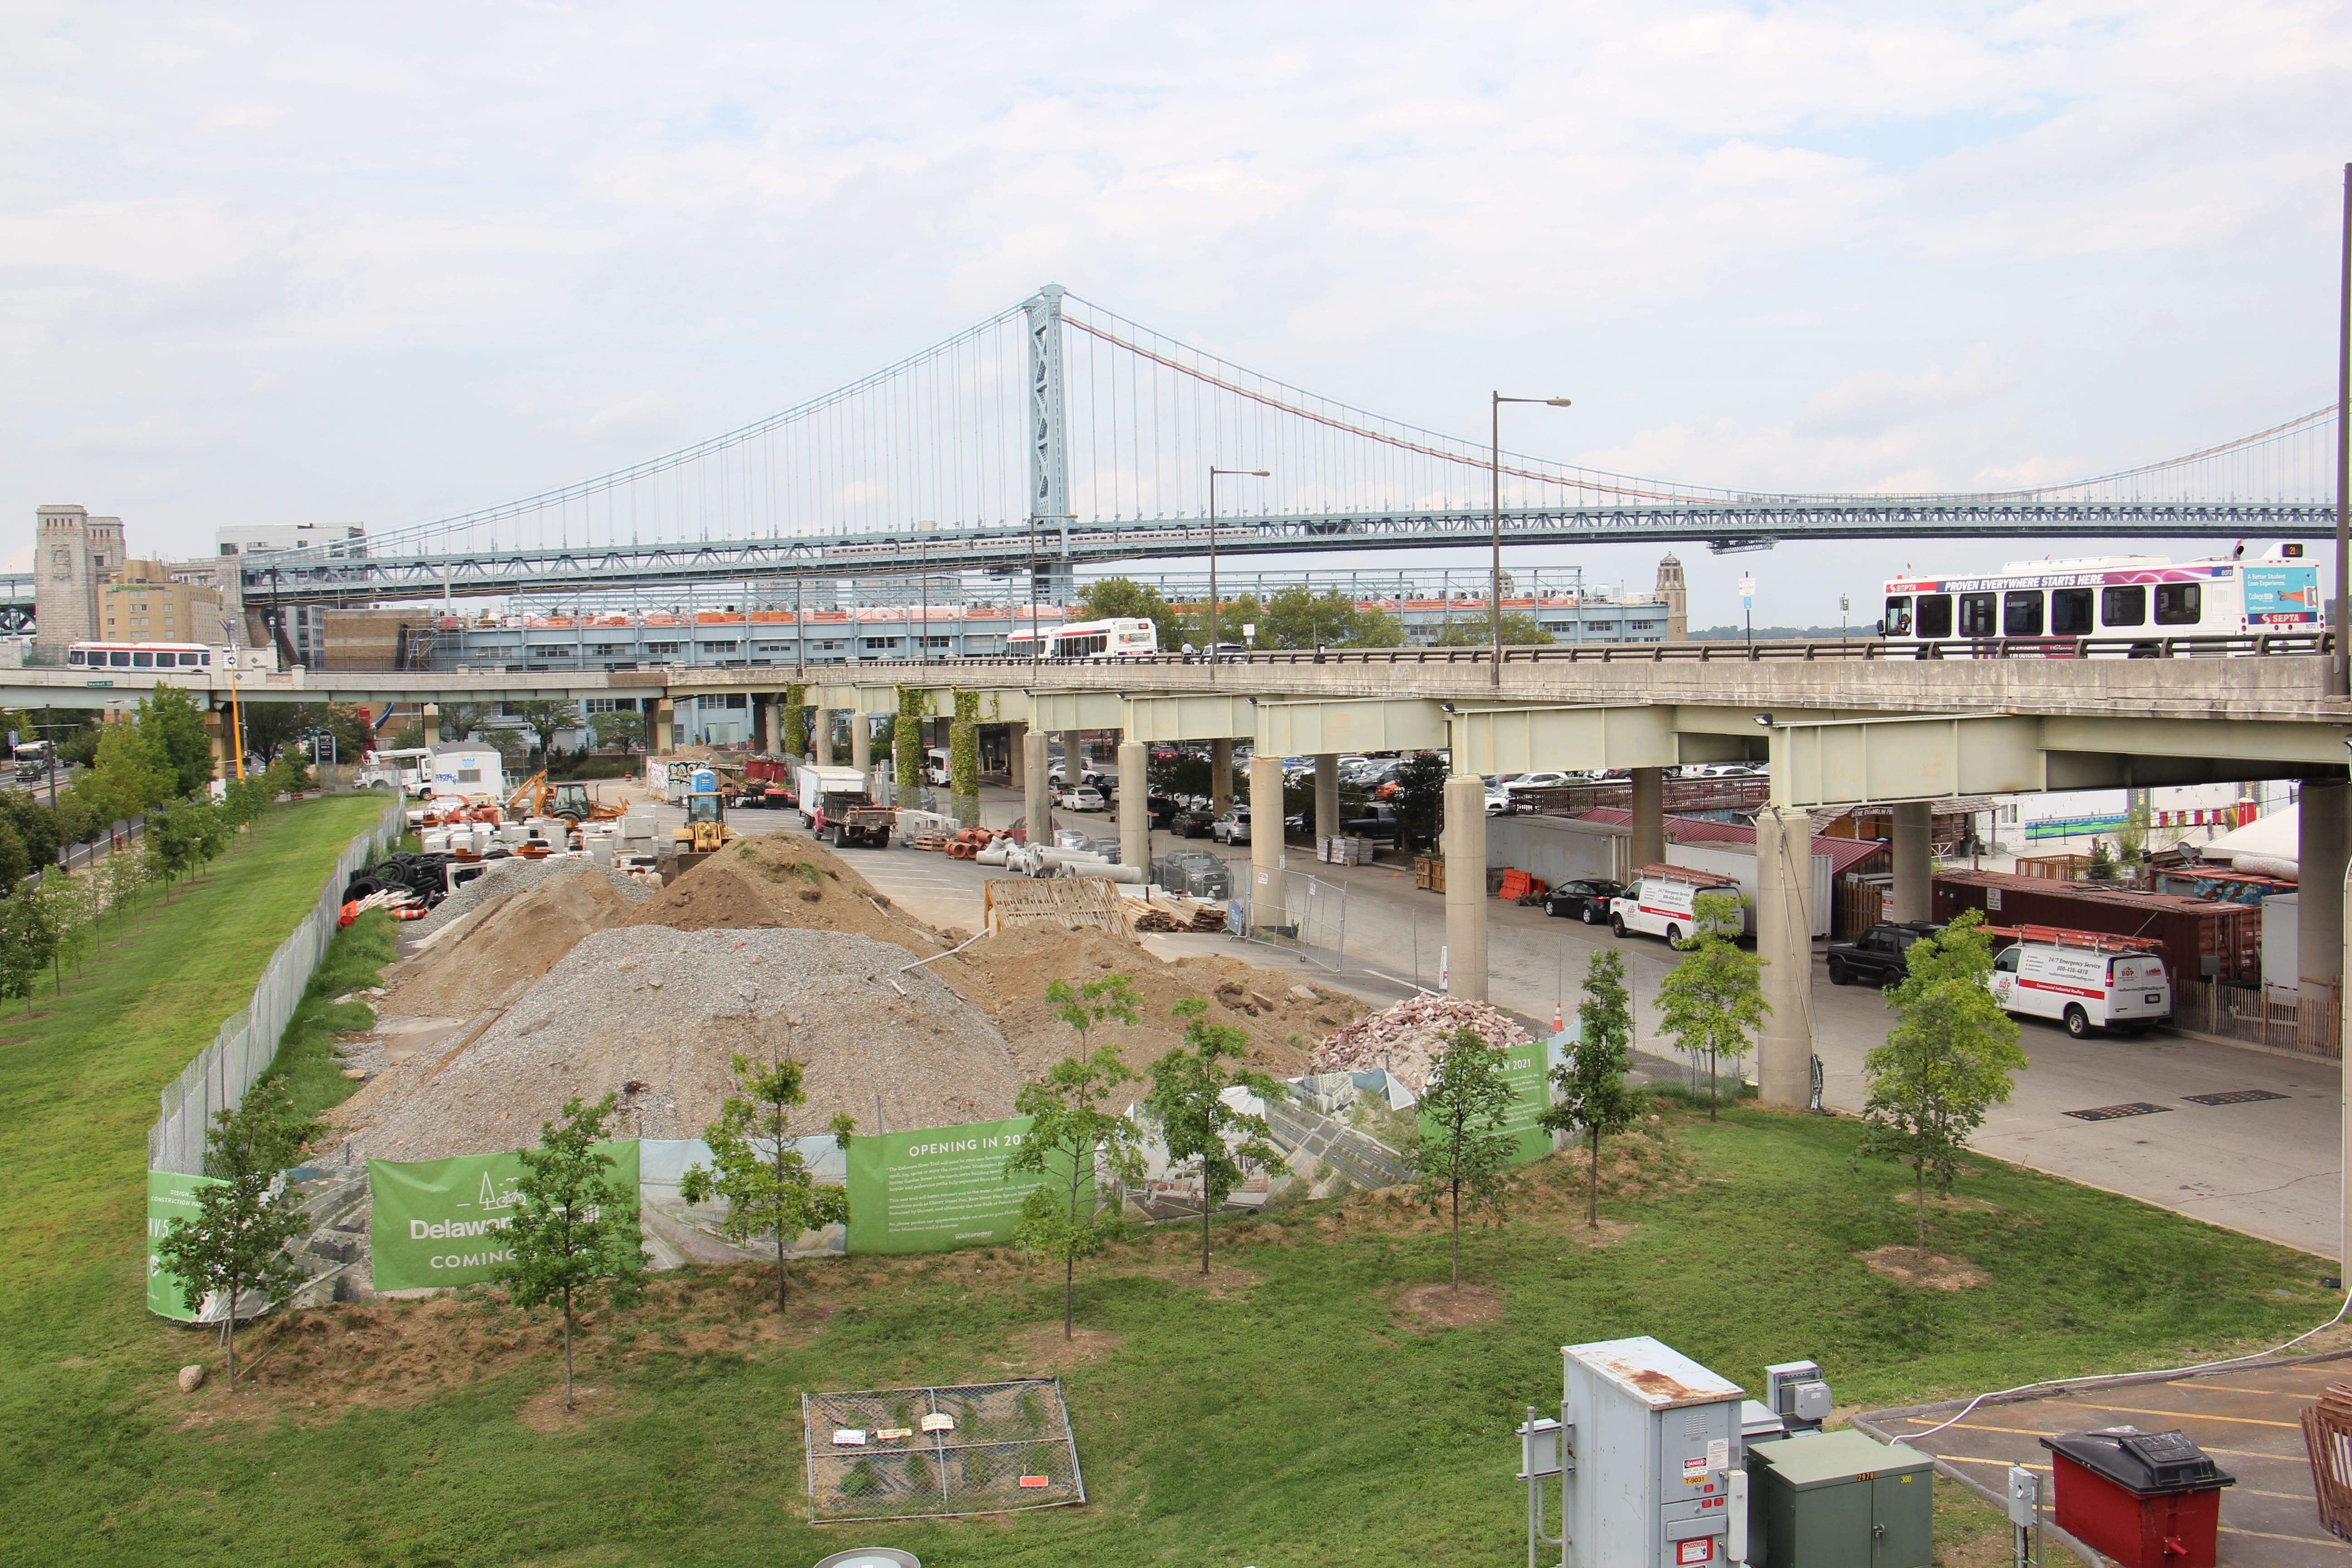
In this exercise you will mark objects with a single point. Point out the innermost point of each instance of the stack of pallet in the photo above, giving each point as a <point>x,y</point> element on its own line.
<point>1345,850</point>
<point>2327,1436</point>
<point>1163,914</point>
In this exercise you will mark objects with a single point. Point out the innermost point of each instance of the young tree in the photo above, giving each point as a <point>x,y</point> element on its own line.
<point>1071,1135</point>
<point>211,829</point>
<point>130,775</point>
<point>1420,796</point>
<point>1945,1063</point>
<point>1588,1092</point>
<point>1520,630</point>
<point>121,876</point>
<point>1463,1150</point>
<point>546,718</point>
<point>575,1235</point>
<point>237,1242</point>
<point>1187,1096</point>
<point>170,718</point>
<point>1711,999</point>
<point>28,939</point>
<point>760,1170</point>
<point>618,731</point>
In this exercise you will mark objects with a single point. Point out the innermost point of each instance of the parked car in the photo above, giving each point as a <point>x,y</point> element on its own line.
<point>1020,830</point>
<point>1231,828</point>
<point>1586,899</point>
<point>1192,822</point>
<point>1547,779</point>
<point>1084,797</point>
<point>1880,956</point>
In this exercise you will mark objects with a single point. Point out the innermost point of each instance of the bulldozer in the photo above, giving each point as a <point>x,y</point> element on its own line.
<point>705,832</point>
<point>536,798</point>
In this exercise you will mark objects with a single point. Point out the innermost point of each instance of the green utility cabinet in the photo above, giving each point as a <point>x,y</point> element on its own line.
<point>1842,1500</point>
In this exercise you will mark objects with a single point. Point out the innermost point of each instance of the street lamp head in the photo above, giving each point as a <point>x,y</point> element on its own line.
<point>1261,473</point>
<point>1556,402</point>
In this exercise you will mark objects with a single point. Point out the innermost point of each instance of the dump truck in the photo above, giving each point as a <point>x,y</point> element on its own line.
<point>837,807</point>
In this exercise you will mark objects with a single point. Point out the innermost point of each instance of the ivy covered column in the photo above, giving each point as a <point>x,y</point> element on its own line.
<point>796,720</point>
<point>907,743</point>
<point>963,759</point>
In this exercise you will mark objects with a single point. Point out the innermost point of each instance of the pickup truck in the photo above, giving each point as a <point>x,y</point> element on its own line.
<point>1880,956</point>
<point>835,803</point>
<point>1381,821</point>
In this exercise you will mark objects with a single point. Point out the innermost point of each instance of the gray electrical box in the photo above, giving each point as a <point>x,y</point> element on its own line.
<point>1842,1500</point>
<point>1656,1439</point>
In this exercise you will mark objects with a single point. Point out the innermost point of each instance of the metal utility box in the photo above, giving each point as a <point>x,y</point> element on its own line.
<point>1840,1500</point>
<point>1656,1439</point>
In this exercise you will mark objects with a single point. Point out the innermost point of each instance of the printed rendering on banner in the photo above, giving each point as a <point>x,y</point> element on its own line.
<point>935,1188</point>
<point>170,1197</point>
<point>677,1232</point>
<point>1525,1070</point>
<point>437,1223</point>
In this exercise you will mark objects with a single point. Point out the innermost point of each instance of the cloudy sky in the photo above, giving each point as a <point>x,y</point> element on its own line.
<point>298,263</point>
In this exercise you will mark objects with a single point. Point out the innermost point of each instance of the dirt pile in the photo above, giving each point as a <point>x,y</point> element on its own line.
<point>1408,1038</point>
<point>653,1015</point>
<point>520,938</point>
<point>774,879</point>
<point>1005,976</point>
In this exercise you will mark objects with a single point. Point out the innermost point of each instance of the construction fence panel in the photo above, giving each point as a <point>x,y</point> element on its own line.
<point>1311,920</point>
<point>247,1041</point>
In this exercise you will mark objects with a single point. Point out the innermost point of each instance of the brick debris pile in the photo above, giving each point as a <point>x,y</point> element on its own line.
<point>1408,1038</point>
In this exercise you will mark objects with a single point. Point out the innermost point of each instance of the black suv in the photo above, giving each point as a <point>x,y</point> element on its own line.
<point>1586,899</point>
<point>1192,822</point>
<point>1880,956</point>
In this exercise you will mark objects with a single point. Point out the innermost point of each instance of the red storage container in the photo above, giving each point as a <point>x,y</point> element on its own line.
<point>2148,1499</point>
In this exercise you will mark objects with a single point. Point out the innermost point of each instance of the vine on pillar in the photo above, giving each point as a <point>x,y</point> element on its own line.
<point>963,759</point>
<point>906,742</point>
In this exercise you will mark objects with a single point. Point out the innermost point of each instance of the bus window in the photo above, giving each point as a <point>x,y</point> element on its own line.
<point>1976,615</point>
<point>1935,615</point>
<point>143,661</point>
<point>2124,606</point>
<point>74,656</point>
<point>2180,603</point>
<point>119,659</point>
<point>2021,613</point>
<point>2070,612</point>
<point>191,660</point>
<point>1898,615</point>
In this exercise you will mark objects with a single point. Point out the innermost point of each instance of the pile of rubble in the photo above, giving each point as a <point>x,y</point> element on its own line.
<point>1408,1038</point>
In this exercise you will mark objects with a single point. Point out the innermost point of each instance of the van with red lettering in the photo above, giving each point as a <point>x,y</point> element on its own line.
<point>1662,900</point>
<point>2084,980</point>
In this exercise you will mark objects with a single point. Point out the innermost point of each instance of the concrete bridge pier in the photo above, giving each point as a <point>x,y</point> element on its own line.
<point>1784,941</point>
<point>1326,794</point>
<point>1465,886</point>
<point>1035,802</point>
<point>1221,775</point>
<point>665,736</point>
<point>2323,817</point>
<point>1074,761</point>
<point>1016,753</point>
<point>1649,816</point>
<point>821,735</point>
<point>1914,867</point>
<point>1265,893</point>
<point>861,742</point>
<point>771,722</point>
<point>1134,798</point>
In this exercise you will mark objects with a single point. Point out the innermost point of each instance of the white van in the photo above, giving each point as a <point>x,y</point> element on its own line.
<point>2084,979</point>
<point>1661,900</point>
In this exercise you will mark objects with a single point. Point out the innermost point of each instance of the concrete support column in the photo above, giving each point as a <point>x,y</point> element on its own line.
<point>1221,775</point>
<point>1074,766</point>
<point>1266,891</point>
<point>1016,761</point>
<point>2343,902</point>
<point>2325,816</point>
<point>1134,807</point>
<point>821,735</point>
<point>1784,941</point>
<point>665,728</point>
<point>1035,802</point>
<point>1326,794</point>
<point>861,743</point>
<point>1913,869</point>
<point>772,724</point>
<point>1465,887</point>
<point>216,734</point>
<point>1649,844</point>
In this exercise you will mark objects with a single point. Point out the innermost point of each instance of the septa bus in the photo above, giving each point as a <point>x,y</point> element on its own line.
<point>2126,598</point>
<point>181,655</point>
<point>1123,637</point>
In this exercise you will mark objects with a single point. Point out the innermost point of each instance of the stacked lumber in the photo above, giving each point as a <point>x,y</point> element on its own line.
<point>1408,1038</point>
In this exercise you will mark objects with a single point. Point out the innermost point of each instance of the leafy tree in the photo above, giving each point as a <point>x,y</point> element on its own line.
<point>211,829</point>
<point>131,772</point>
<point>1420,797</point>
<point>169,716</point>
<point>760,1174</point>
<point>1711,999</point>
<point>1297,617</point>
<point>237,1242</point>
<point>1121,598</point>
<point>1520,630</point>
<point>1588,1092</point>
<point>618,731</point>
<point>573,1236</point>
<point>35,824</point>
<point>545,717</point>
<point>1187,1096</point>
<point>1945,1063</point>
<point>456,719</point>
<point>174,842</point>
<point>121,876</point>
<point>1463,1149</point>
<point>2103,863</point>
<point>15,864</point>
<point>1071,1134</point>
<point>28,938</point>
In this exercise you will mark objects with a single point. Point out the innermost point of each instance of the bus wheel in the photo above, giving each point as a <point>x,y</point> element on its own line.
<point>2078,1023</point>
<point>1617,924</point>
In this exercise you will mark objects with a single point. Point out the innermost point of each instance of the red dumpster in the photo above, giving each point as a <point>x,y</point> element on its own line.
<point>2148,1499</point>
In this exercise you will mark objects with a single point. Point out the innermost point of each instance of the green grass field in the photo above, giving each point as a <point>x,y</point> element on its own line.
<point>1300,1409</point>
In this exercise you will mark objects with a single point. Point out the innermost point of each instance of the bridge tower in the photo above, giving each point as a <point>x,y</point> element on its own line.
<point>1049,458</point>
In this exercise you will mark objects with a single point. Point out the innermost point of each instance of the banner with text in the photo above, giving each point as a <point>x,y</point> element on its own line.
<point>437,1223</point>
<point>936,1187</point>
<point>1525,1069</point>
<point>170,1197</point>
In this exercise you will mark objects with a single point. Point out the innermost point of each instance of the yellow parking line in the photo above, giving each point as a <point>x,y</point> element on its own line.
<point>2234,1492</point>
<point>2035,1431</point>
<point>2193,1415</point>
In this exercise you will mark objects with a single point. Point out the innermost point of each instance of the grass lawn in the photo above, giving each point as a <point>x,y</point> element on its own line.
<point>1315,1402</point>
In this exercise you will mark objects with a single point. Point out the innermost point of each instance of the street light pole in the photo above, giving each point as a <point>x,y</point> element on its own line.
<point>1494,585</point>
<point>1213,473</point>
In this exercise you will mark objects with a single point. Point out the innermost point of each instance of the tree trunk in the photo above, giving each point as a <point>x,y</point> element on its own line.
<point>1592,1192</point>
<point>1921,1172</point>
<point>1458,1235</point>
<point>1710,1085</point>
<point>1069,1293</point>
<point>780,1267</point>
<point>229,1328</point>
<point>567,1347</point>
<point>1204,1226</point>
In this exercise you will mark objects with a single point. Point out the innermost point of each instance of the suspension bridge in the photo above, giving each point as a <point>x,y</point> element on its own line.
<point>1057,434</point>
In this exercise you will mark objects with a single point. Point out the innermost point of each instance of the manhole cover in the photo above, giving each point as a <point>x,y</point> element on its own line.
<point>2110,1112</point>
<point>2235,1096</point>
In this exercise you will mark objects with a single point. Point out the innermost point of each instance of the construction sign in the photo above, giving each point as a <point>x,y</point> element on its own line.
<point>438,1222</point>
<point>936,1187</point>
<point>1526,1068</point>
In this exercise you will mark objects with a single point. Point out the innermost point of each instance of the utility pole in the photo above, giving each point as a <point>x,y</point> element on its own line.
<point>1494,473</point>
<point>2339,672</point>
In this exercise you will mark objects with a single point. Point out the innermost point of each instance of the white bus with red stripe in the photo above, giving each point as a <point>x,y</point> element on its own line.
<point>2084,980</point>
<point>1662,900</point>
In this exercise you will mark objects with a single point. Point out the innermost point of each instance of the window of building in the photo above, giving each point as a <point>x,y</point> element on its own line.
<point>657,648</point>
<point>939,641</point>
<point>727,646</point>
<point>875,644</point>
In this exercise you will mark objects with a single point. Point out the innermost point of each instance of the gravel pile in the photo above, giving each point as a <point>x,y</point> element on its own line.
<point>1408,1038</point>
<point>655,1014</point>
<point>515,874</point>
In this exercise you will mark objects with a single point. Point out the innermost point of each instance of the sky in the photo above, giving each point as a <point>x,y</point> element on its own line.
<point>291,263</point>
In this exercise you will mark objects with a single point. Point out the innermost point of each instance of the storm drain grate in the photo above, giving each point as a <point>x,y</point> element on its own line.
<point>2110,1112</point>
<point>2235,1096</point>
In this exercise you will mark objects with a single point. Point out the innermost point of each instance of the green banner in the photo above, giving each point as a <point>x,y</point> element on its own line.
<point>170,1197</point>
<point>1525,1070</point>
<point>935,1188</point>
<point>437,1223</point>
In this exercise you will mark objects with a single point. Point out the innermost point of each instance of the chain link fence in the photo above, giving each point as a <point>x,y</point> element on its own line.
<point>1311,920</point>
<point>1004,1447</point>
